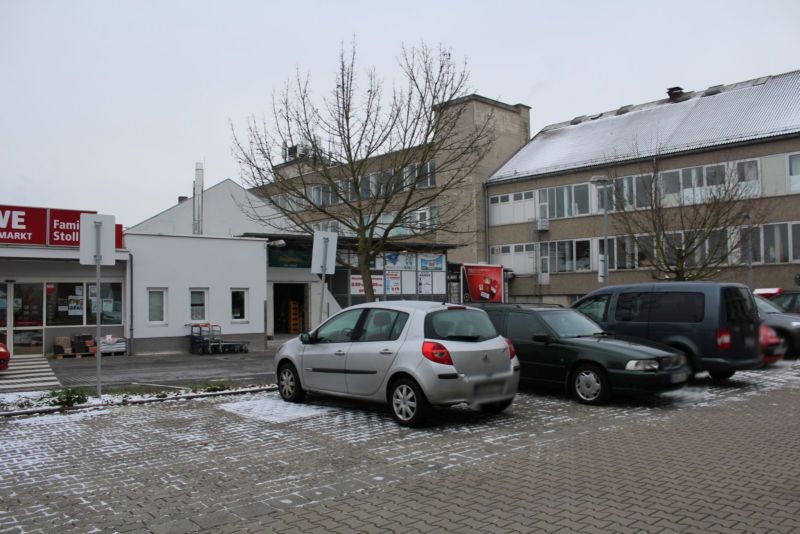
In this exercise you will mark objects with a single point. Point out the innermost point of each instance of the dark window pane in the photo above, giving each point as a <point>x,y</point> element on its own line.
<point>381,325</point>
<point>677,307</point>
<point>523,326</point>
<point>631,307</point>
<point>64,304</point>
<point>596,307</point>
<point>583,259</point>
<point>28,304</point>
<point>581,193</point>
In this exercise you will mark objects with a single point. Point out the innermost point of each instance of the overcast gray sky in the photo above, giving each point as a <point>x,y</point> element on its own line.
<point>107,106</point>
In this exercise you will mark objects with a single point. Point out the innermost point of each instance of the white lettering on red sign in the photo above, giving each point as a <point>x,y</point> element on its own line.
<point>17,219</point>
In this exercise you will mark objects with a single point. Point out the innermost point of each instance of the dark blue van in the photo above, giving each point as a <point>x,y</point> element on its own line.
<point>714,324</point>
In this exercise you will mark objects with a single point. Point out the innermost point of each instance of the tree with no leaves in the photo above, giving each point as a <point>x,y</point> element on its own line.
<point>380,166</point>
<point>685,224</point>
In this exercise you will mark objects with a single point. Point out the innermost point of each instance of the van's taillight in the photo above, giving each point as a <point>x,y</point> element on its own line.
<point>436,352</point>
<point>723,338</point>
<point>511,350</point>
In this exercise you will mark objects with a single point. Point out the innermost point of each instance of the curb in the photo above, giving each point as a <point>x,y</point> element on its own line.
<point>62,409</point>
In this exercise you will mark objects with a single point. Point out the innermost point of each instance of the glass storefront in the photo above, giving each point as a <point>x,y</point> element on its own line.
<point>28,318</point>
<point>3,312</point>
<point>37,305</point>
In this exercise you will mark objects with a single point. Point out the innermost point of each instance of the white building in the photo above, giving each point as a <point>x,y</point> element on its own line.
<point>179,281</point>
<point>193,251</point>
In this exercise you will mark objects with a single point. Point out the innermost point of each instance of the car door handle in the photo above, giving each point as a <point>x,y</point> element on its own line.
<point>339,352</point>
<point>387,351</point>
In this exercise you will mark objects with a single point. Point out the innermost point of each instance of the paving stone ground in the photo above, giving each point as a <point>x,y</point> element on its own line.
<point>708,458</point>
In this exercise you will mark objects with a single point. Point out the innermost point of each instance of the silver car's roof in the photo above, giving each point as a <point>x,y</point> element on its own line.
<point>408,305</point>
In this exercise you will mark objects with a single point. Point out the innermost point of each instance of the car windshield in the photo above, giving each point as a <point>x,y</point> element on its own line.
<point>765,306</point>
<point>459,324</point>
<point>570,323</point>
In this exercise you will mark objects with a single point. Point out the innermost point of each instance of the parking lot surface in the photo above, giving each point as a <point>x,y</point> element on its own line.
<point>708,458</point>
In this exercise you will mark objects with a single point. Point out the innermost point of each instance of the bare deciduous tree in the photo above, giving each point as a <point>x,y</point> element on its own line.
<point>685,224</point>
<point>379,166</point>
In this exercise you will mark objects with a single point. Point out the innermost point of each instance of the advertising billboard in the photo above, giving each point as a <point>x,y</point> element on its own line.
<point>481,283</point>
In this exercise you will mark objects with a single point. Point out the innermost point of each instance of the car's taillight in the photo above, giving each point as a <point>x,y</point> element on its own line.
<point>511,350</point>
<point>723,339</point>
<point>436,352</point>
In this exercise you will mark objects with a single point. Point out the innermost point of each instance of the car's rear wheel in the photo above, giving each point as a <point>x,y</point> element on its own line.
<point>590,384</point>
<point>496,407</point>
<point>408,404</point>
<point>721,375</point>
<point>289,383</point>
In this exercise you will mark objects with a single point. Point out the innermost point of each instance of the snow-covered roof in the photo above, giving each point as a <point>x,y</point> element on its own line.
<point>720,115</point>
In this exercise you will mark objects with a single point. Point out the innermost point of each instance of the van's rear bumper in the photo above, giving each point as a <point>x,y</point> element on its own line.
<point>724,365</point>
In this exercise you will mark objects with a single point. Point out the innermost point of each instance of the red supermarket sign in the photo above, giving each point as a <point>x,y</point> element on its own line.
<point>44,226</point>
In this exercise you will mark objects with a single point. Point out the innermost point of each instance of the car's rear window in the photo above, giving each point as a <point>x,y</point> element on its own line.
<point>739,305</point>
<point>459,324</point>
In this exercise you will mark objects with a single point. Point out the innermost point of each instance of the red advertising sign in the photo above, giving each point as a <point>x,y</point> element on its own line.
<point>481,283</point>
<point>44,226</point>
<point>23,226</point>
<point>64,229</point>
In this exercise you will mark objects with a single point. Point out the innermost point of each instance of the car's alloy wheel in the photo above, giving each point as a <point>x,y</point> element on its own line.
<point>590,385</point>
<point>289,384</point>
<point>408,403</point>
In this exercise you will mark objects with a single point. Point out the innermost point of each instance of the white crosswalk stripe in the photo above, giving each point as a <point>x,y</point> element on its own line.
<point>28,372</point>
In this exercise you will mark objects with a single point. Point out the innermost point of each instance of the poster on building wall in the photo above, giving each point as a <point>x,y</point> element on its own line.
<point>394,283</point>
<point>481,283</point>
<point>75,305</point>
<point>376,264</point>
<point>431,262</point>
<point>401,261</point>
<point>357,284</point>
<point>425,283</point>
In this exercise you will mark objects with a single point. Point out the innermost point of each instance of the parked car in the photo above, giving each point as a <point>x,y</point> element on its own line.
<point>564,348</point>
<point>786,325</point>
<point>5,357</point>
<point>409,354</point>
<point>714,324</point>
<point>788,300</point>
<point>773,347</point>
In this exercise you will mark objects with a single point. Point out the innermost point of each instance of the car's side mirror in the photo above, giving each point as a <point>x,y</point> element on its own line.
<point>542,338</point>
<point>305,338</point>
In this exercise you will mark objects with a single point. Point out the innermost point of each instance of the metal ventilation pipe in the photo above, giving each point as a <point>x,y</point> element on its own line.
<point>197,205</point>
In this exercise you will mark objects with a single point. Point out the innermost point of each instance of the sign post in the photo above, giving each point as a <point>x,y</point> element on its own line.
<point>97,248</point>
<point>323,260</point>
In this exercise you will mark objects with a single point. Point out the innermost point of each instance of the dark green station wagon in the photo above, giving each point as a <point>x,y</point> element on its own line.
<point>564,348</point>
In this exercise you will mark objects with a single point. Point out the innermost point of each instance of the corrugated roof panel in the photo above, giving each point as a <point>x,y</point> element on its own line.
<point>740,112</point>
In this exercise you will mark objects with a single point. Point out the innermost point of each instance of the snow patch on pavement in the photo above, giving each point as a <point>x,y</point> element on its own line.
<point>273,410</point>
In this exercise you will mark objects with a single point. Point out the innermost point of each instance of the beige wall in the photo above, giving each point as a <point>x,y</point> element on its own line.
<point>512,132</point>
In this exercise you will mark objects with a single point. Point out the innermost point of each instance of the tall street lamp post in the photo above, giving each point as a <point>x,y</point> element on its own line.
<point>605,183</point>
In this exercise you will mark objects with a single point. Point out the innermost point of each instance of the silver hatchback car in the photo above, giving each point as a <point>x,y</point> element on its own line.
<point>409,354</point>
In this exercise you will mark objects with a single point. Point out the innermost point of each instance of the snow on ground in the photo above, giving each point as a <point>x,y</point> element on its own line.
<point>273,410</point>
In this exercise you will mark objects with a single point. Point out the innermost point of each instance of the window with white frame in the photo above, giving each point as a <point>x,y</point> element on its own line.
<point>239,304</point>
<point>794,173</point>
<point>157,305</point>
<point>198,304</point>
<point>427,175</point>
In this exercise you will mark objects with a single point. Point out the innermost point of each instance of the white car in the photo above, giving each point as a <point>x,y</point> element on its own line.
<point>409,354</point>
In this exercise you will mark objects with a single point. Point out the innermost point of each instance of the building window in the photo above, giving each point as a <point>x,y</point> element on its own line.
<point>110,303</point>
<point>65,304</point>
<point>581,196</point>
<point>197,304</point>
<point>238,304</point>
<point>157,306</point>
<point>427,175</point>
<point>794,173</point>
<point>776,243</point>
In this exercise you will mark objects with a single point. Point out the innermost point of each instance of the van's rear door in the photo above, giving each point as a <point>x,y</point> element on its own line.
<point>741,322</point>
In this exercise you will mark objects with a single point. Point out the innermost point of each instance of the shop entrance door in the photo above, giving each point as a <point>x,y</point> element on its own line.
<point>28,317</point>
<point>290,308</point>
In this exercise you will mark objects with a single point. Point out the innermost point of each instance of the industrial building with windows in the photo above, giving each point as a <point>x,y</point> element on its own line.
<point>546,204</point>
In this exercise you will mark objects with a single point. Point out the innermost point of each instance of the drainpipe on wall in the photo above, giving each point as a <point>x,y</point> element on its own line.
<point>130,304</point>
<point>486,222</point>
